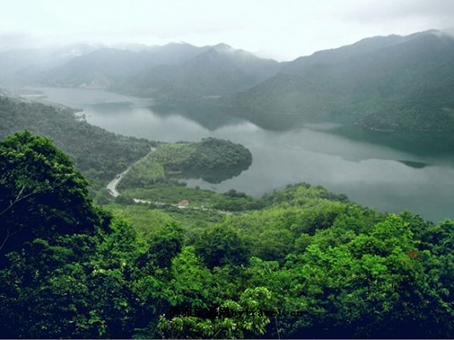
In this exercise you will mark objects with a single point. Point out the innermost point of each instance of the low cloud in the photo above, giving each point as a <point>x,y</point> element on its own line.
<point>16,40</point>
<point>283,29</point>
<point>439,12</point>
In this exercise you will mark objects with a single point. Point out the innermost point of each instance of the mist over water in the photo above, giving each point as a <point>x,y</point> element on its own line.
<point>369,173</point>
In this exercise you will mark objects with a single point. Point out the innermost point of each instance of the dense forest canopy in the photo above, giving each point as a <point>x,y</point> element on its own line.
<point>308,263</point>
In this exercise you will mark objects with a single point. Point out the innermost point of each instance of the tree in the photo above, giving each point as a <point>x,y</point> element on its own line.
<point>165,245</point>
<point>42,194</point>
<point>220,246</point>
<point>232,319</point>
<point>65,265</point>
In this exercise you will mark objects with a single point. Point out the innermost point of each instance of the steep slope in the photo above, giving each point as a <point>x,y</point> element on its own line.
<point>391,83</point>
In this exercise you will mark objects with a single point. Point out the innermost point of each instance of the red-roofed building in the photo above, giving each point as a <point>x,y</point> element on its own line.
<point>183,203</point>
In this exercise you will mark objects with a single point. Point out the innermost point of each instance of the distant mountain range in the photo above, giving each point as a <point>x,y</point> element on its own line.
<point>173,71</point>
<point>382,83</point>
<point>213,71</point>
<point>26,66</point>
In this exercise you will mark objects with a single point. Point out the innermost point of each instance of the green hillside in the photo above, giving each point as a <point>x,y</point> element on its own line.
<point>174,71</point>
<point>392,83</point>
<point>306,264</point>
<point>217,71</point>
<point>99,154</point>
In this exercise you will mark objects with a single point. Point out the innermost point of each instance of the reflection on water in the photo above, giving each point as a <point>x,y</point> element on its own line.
<point>430,145</point>
<point>111,107</point>
<point>412,164</point>
<point>208,116</point>
<point>382,170</point>
<point>214,177</point>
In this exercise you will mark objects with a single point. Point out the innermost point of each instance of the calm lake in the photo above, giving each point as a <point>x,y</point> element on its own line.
<point>387,171</point>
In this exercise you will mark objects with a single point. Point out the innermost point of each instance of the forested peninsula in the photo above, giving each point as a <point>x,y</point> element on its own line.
<point>302,263</point>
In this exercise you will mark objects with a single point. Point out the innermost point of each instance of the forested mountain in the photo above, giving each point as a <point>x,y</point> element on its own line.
<point>218,70</point>
<point>176,71</point>
<point>99,154</point>
<point>386,83</point>
<point>383,83</point>
<point>107,66</point>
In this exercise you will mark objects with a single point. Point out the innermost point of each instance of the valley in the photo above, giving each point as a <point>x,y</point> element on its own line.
<point>371,168</point>
<point>182,191</point>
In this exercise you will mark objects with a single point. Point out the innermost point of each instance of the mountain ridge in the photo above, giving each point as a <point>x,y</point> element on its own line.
<point>383,83</point>
<point>407,79</point>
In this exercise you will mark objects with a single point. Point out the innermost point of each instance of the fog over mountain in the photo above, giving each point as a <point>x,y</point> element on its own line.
<point>387,83</point>
<point>170,70</point>
<point>229,169</point>
<point>282,30</point>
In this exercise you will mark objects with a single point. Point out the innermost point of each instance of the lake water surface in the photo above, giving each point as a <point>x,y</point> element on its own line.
<point>390,172</point>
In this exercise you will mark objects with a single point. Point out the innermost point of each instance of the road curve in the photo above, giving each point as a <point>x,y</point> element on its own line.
<point>112,189</point>
<point>112,186</point>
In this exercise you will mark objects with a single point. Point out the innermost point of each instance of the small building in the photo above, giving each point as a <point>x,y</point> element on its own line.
<point>183,204</point>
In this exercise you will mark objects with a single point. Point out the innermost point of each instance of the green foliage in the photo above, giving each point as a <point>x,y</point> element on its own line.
<point>146,221</point>
<point>192,282</point>
<point>165,245</point>
<point>63,263</point>
<point>220,246</point>
<point>304,263</point>
<point>42,195</point>
<point>144,173</point>
<point>382,83</point>
<point>212,153</point>
<point>66,267</point>
<point>103,197</point>
<point>175,157</point>
<point>170,192</point>
<point>98,154</point>
<point>212,159</point>
<point>234,320</point>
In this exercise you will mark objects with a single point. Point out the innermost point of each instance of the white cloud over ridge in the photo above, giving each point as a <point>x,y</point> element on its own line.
<point>282,29</point>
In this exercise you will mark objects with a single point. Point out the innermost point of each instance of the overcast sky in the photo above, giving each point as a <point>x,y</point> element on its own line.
<point>280,29</point>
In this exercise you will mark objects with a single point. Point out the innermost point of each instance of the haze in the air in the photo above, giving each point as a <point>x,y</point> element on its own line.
<point>282,30</point>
